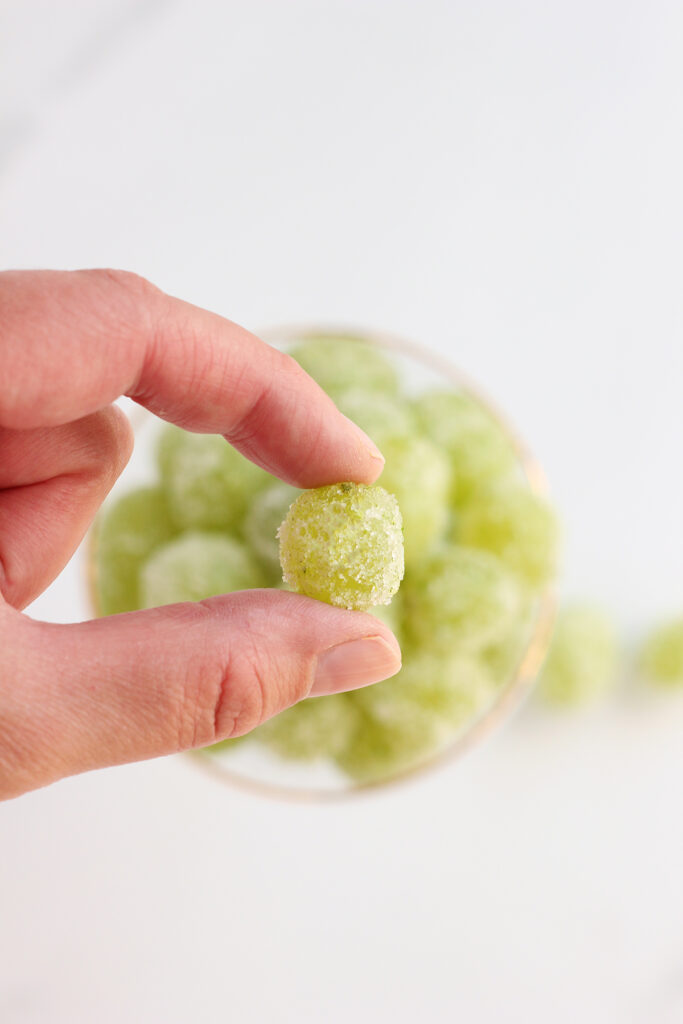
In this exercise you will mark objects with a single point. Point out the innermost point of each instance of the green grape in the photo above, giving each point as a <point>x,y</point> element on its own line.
<point>460,600</point>
<point>478,447</point>
<point>208,483</point>
<point>503,659</point>
<point>661,659</point>
<point>403,721</point>
<point>127,531</point>
<point>390,614</point>
<point>517,526</point>
<point>313,728</point>
<point>197,566</point>
<point>582,659</point>
<point>377,751</point>
<point>382,417</point>
<point>263,519</point>
<point>343,544</point>
<point>418,475</point>
<point>340,363</point>
<point>382,747</point>
<point>454,687</point>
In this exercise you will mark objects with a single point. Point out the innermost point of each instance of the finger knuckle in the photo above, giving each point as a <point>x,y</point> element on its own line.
<point>132,301</point>
<point>252,420</point>
<point>227,697</point>
<point>243,701</point>
<point>239,697</point>
<point>124,281</point>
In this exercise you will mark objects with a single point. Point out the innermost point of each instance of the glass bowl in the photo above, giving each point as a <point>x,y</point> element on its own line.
<point>252,766</point>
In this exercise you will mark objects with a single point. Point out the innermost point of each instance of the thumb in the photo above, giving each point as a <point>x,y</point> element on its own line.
<point>134,686</point>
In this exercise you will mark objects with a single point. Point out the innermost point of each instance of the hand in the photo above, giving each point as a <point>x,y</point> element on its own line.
<point>82,696</point>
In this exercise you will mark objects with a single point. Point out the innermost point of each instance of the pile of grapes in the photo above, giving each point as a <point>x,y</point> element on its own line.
<point>479,548</point>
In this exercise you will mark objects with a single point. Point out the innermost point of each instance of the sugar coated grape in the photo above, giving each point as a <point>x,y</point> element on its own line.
<point>128,531</point>
<point>317,727</point>
<point>461,599</point>
<point>411,717</point>
<point>382,417</point>
<point>477,445</point>
<point>453,687</point>
<point>263,519</point>
<point>343,544</point>
<point>196,566</point>
<point>503,658</point>
<point>208,483</point>
<point>418,475</point>
<point>517,526</point>
<point>380,748</point>
<point>339,363</point>
<point>582,659</point>
<point>661,658</point>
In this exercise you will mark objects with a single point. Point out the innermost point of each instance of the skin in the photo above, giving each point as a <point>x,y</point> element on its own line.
<point>92,694</point>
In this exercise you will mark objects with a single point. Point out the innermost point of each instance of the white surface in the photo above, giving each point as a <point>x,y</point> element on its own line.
<point>498,180</point>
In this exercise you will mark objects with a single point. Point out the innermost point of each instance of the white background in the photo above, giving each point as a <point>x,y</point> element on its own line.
<point>501,181</point>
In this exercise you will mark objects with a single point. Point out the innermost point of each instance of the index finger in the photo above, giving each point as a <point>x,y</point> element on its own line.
<point>71,342</point>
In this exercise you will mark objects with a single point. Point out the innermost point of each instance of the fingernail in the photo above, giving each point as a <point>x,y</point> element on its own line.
<point>375,453</point>
<point>367,442</point>
<point>355,663</point>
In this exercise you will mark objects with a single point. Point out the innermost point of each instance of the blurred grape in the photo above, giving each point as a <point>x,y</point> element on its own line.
<point>460,600</point>
<point>339,363</point>
<point>196,566</point>
<point>477,446</point>
<point>517,526</point>
<point>316,727</point>
<point>264,518</point>
<point>383,417</point>
<point>661,658</point>
<point>208,483</point>
<point>380,748</point>
<point>418,476</point>
<point>582,660</point>
<point>128,530</point>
